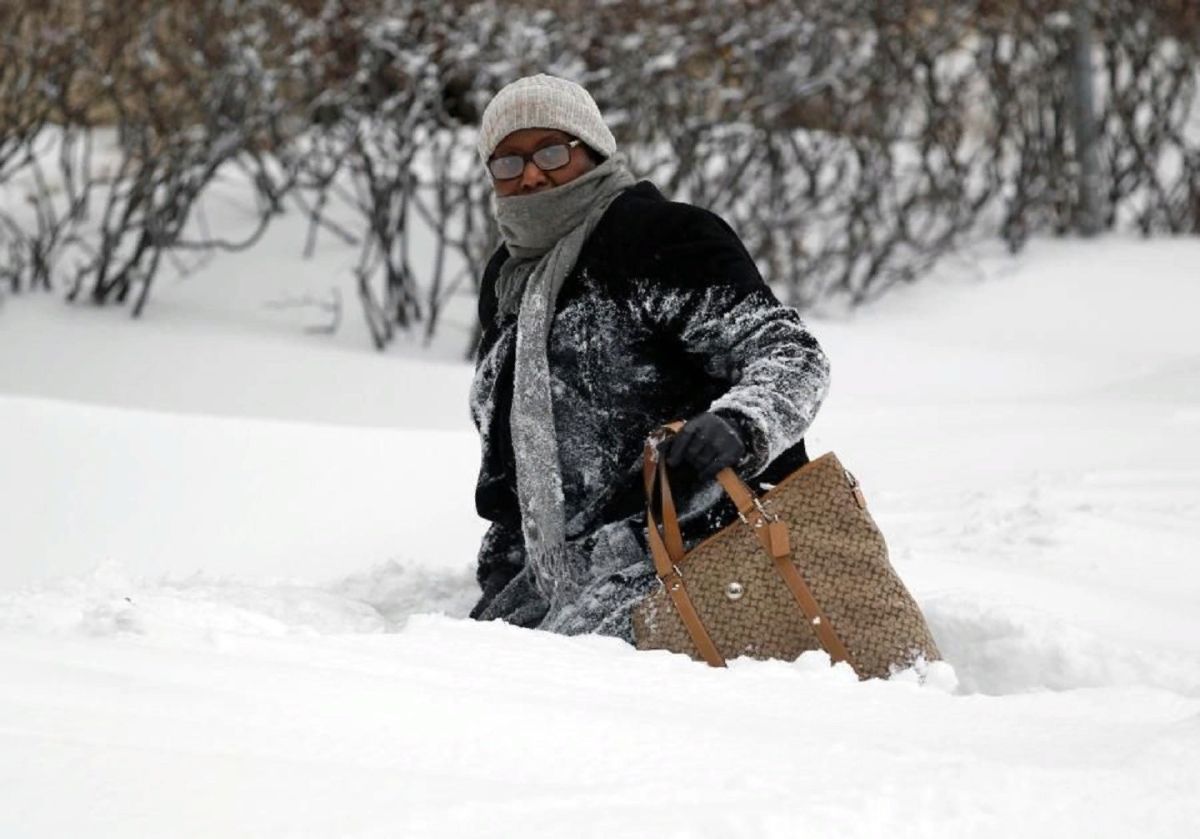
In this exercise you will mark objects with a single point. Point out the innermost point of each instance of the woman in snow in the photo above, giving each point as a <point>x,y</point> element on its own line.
<point>607,311</point>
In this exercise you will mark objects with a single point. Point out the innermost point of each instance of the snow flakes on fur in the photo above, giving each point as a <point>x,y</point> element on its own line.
<point>663,317</point>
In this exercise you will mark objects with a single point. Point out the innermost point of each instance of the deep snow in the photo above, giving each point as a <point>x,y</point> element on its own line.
<point>215,528</point>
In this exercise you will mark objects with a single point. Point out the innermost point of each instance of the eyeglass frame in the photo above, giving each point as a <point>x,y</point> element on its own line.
<point>526,159</point>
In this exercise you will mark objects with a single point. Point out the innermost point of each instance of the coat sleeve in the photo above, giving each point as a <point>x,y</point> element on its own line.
<point>707,296</point>
<point>487,288</point>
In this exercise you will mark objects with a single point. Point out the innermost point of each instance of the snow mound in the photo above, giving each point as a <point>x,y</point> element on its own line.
<point>110,601</point>
<point>1003,650</point>
<point>397,590</point>
<point>989,649</point>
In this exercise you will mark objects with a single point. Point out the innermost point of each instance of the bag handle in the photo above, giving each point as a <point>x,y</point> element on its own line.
<point>772,532</point>
<point>662,553</point>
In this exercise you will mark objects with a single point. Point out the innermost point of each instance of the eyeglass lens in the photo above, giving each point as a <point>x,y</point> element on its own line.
<point>546,159</point>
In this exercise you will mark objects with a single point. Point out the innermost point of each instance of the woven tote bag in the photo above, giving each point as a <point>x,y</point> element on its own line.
<point>803,568</point>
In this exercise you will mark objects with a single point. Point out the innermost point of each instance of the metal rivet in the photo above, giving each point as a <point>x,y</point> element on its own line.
<point>735,590</point>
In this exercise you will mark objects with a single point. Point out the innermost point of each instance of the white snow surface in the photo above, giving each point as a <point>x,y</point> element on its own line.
<point>235,561</point>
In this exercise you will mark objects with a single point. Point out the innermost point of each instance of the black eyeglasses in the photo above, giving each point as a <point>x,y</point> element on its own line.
<point>547,158</point>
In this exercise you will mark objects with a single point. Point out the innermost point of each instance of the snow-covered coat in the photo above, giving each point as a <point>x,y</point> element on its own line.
<point>663,317</point>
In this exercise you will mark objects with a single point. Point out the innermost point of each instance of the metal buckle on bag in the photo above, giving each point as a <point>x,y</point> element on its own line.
<point>762,507</point>
<point>766,515</point>
<point>676,582</point>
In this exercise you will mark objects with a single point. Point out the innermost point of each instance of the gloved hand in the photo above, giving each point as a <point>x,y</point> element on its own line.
<point>705,445</point>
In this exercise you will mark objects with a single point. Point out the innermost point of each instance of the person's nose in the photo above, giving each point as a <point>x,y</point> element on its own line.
<point>533,178</point>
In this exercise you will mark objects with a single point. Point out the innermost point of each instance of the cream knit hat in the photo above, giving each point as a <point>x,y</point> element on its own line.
<point>544,101</point>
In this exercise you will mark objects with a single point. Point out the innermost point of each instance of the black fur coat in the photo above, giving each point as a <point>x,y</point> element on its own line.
<point>663,317</point>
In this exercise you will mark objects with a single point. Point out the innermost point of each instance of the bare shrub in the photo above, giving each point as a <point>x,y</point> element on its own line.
<point>850,144</point>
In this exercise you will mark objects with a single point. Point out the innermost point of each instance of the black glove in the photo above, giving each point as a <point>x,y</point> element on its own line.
<point>705,446</point>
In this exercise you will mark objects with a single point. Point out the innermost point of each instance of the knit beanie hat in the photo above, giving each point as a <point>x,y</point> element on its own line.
<point>544,101</point>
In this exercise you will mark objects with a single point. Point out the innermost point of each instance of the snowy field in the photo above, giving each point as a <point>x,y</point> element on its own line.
<point>235,560</point>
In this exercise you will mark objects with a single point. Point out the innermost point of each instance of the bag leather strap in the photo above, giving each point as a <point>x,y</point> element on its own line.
<point>665,567</point>
<point>770,530</point>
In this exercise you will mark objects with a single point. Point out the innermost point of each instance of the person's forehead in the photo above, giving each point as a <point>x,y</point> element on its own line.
<point>524,138</point>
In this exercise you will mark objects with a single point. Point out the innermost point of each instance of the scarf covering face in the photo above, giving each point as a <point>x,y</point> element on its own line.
<point>544,233</point>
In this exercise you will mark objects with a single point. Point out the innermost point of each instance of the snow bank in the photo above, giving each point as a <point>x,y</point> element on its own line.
<point>178,494</point>
<point>452,728</point>
<point>1003,649</point>
<point>233,604</point>
<point>203,364</point>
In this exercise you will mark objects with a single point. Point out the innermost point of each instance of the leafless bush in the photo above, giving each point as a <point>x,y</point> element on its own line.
<point>1151,75</point>
<point>394,88</point>
<point>1147,61</point>
<point>191,92</point>
<point>36,70</point>
<point>849,144</point>
<point>853,144</point>
<point>183,90</point>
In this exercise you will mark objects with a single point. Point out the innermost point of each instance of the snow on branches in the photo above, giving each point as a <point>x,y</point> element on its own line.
<point>849,144</point>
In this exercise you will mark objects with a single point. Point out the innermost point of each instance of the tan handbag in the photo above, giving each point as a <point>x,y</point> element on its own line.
<point>804,568</point>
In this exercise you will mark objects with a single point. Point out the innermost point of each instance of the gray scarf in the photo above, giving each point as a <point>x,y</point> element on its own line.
<point>544,233</point>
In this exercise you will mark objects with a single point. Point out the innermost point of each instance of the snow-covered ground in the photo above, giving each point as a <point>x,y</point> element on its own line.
<point>235,560</point>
